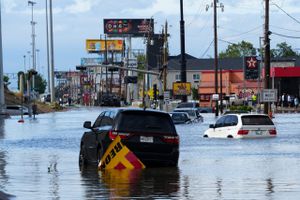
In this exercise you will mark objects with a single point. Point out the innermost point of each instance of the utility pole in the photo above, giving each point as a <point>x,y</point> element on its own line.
<point>165,57</point>
<point>33,51</point>
<point>267,55</point>
<point>52,88</point>
<point>48,56</point>
<point>2,99</point>
<point>182,45</point>
<point>215,6</point>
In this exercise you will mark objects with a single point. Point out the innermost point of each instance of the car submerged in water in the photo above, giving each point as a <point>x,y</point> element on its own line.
<point>149,134</point>
<point>193,113</point>
<point>244,125</point>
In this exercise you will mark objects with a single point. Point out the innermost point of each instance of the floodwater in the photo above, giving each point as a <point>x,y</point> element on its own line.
<point>39,160</point>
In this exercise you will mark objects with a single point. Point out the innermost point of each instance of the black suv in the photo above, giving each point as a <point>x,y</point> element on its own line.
<point>149,134</point>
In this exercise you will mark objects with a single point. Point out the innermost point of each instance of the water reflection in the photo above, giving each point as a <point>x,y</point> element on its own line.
<point>148,183</point>
<point>54,177</point>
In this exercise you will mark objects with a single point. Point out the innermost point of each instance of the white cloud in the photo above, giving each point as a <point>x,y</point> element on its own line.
<point>80,6</point>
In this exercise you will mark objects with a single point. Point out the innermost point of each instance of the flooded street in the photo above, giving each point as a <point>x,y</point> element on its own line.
<point>39,160</point>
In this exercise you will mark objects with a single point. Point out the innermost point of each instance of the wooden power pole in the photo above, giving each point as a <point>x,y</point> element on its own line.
<point>267,55</point>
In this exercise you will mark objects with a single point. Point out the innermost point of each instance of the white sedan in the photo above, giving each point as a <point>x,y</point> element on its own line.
<point>242,126</point>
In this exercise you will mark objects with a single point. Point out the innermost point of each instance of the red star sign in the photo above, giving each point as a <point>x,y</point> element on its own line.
<point>252,62</point>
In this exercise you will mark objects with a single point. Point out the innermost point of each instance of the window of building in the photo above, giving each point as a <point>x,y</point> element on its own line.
<point>196,77</point>
<point>177,77</point>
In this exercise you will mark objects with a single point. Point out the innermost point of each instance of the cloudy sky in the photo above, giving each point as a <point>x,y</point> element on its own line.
<point>78,20</point>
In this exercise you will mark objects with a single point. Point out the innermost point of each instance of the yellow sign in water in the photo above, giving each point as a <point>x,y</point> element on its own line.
<point>118,156</point>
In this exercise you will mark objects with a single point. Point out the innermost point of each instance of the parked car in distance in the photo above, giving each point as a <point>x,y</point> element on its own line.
<point>193,113</point>
<point>188,105</point>
<point>149,134</point>
<point>242,126</point>
<point>110,99</point>
<point>16,110</point>
<point>205,109</point>
<point>180,117</point>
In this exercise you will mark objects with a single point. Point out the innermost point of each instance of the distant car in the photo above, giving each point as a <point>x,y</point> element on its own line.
<point>16,110</point>
<point>193,113</point>
<point>188,105</point>
<point>242,126</point>
<point>149,134</point>
<point>110,99</point>
<point>180,117</point>
<point>205,110</point>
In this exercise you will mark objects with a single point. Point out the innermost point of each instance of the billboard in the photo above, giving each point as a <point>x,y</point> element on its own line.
<point>133,27</point>
<point>251,70</point>
<point>182,88</point>
<point>96,45</point>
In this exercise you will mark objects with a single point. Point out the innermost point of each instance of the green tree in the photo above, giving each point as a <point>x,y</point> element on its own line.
<point>240,49</point>
<point>40,83</point>
<point>141,60</point>
<point>283,50</point>
<point>6,80</point>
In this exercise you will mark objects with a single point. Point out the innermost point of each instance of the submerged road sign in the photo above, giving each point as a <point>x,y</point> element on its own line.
<point>118,156</point>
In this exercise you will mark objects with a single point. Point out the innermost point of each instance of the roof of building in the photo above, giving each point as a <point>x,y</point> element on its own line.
<point>192,63</point>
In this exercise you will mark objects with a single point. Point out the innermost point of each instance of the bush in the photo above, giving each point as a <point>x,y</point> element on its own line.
<point>241,108</point>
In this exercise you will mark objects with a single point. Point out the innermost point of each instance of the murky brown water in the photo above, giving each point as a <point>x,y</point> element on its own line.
<point>39,160</point>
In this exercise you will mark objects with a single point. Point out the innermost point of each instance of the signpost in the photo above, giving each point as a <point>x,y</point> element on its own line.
<point>268,95</point>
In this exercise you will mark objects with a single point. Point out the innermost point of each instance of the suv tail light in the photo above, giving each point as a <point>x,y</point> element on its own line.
<point>273,132</point>
<point>243,132</point>
<point>171,139</point>
<point>113,134</point>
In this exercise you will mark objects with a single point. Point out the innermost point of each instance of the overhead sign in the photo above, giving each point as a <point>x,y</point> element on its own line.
<point>96,45</point>
<point>118,156</point>
<point>251,71</point>
<point>134,27</point>
<point>182,88</point>
<point>91,61</point>
<point>268,95</point>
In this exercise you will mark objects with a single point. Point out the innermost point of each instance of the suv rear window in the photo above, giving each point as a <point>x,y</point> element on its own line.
<point>146,122</point>
<point>256,120</point>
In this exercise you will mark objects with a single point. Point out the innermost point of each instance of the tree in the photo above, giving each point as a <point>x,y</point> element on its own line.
<point>238,50</point>
<point>6,80</point>
<point>40,83</point>
<point>141,62</point>
<point>283,50</point>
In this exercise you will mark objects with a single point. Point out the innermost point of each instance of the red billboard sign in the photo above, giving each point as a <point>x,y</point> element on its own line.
<point>133,27</point>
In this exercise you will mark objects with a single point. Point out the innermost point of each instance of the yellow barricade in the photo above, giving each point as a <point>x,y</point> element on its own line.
<point>118,156</point>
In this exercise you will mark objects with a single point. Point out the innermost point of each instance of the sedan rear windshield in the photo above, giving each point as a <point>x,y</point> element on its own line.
<point>146,122</point>
<point>256,120</point>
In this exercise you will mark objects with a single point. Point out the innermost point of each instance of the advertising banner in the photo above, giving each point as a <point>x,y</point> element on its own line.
<point>133,27</point>
<point>96,45</point>
<point>182,88</point>
<point>251,70</point>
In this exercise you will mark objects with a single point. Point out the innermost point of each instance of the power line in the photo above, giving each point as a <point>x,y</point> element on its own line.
<point>286,13</point>
<point>246,32</point>
<point>207,48</point>
<point>285,29</point>
<point>286,36</point>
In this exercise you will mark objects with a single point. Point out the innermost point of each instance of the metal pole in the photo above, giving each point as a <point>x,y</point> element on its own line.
<point>216,57</point>
<point>182,45</point>
<point>52,88</point>
<point>267,55</point>
<point>33,23</point>
<point>2,99</point>
<point>48,56</point>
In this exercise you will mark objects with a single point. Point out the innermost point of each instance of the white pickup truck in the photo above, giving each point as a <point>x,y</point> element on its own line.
<point>234,100</point>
